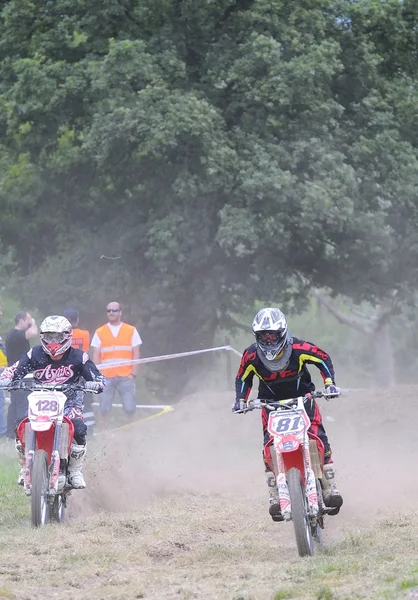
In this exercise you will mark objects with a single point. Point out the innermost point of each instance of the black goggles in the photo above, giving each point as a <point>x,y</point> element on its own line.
<point>269,338</point>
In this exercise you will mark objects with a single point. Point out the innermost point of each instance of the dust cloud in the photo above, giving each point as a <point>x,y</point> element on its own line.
<point>202,448</point>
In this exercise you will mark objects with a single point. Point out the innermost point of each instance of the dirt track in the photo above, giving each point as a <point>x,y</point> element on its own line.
<point>202,447</point>
<point>176,508</point>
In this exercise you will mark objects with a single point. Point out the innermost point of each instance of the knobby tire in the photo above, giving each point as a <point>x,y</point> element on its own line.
<point>40,482</point>
<point>300,517</point>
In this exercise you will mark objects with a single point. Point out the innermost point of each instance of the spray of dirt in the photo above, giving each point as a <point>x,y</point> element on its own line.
<point>202,448</point>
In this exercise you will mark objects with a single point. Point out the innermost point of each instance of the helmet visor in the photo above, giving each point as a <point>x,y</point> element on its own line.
<point>54,336</point>
<point>269,338</point>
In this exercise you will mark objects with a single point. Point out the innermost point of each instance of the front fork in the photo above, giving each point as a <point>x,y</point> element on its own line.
<point>54,468</point>
<point>283,489</point>
<point>29,455</point>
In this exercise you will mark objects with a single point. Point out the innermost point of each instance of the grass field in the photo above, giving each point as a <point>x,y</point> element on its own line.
<point>13,504</point>
<point>218,544</point>
<point>188,547</point>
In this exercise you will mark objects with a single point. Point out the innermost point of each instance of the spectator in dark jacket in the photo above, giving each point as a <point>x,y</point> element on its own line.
<point>17,344</point>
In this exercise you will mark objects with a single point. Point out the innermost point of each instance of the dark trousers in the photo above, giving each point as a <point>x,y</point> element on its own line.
<point>88,412</point>
<point>18,410</point>
<point>80,431</point>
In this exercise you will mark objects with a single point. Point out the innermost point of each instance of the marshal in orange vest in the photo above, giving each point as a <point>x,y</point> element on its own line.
<point>81,339</point>
<point>116,349</point>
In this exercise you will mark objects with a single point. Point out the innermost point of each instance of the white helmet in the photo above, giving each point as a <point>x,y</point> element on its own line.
<point>271,332</point>
<point>56,335</point>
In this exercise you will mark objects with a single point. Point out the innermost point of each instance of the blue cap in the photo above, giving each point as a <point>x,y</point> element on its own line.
<point>71,314</point>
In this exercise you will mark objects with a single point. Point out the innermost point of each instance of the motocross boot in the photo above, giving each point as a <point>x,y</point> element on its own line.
<point>332,496</point>
<point>21,459</point>
<point>75,464</point>
<point>274,509</point>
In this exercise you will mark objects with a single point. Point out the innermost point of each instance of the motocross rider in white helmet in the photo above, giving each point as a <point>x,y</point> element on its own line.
<point>280,363</point>
<point>56,362</point>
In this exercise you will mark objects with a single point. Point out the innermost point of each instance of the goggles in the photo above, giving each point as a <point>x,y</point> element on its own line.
<point>54,336</point>
<point>269,338</point>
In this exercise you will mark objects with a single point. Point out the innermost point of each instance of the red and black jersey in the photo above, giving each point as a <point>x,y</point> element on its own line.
<point>295,380</point>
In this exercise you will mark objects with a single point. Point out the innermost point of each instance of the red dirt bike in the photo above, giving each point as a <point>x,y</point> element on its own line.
<point>298,467</point>
<point>46,436</point>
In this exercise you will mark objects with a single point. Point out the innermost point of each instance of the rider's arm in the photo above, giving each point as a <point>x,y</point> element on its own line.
<point>20,368</point>
<point>245,376</point>
<point>32,331</point>
<point>90,372</point>
<point>309,353</point>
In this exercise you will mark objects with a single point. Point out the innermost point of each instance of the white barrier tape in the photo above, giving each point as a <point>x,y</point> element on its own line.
<point>140,361</point>
<point>138,405</point>
<point>161,406</point>
<point>234,351</point>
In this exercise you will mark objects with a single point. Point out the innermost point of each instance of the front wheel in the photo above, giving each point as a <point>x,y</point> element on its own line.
<point>300,517</point>
<point>39,496</point>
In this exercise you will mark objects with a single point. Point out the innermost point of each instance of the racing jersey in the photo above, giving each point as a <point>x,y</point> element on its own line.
<point>69,369</point>
<point>295,380</point>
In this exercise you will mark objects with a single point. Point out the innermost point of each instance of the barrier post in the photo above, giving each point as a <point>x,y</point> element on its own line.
<point>228,364</point>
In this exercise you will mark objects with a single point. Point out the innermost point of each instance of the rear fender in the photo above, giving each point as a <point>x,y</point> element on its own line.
<point>22,432</point>
<point>316,462</point>
<point>268,457</point>
<point>320,446</point>
<point>67,435</point>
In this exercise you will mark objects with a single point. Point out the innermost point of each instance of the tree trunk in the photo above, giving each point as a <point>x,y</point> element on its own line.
<point>379,330</point>
<point>383,353</point>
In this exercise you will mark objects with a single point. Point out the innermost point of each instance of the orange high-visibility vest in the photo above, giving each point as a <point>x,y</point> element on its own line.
<point>81,339</point>
<point>119,348</point>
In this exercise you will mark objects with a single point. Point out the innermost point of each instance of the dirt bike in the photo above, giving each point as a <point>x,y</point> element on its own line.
<point>299,467</point>
<point>46,436</point>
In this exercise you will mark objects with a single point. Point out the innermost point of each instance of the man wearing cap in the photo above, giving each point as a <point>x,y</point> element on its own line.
<point>117,342</point>
<point>81,337</point>
<point>81,340</point>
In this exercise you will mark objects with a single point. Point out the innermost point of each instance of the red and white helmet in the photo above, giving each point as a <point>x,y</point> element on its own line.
<point>56,335</point>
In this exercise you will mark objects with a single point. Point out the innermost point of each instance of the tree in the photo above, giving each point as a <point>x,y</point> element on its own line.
<point>213,151</point>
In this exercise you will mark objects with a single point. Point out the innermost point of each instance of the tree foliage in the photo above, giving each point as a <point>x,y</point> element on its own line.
<point>215,151</point>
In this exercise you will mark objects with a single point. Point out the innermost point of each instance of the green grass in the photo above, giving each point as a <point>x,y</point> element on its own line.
<point>325,593</point>
<point>283,595</point>
<point>14,504</point>
<point>406,584</point>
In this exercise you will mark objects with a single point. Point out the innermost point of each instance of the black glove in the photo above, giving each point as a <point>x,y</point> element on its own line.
<point>332,391</point>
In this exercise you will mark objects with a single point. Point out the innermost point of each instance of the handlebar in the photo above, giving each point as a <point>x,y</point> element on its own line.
<point>258,403</point>
<point>47,387</point>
